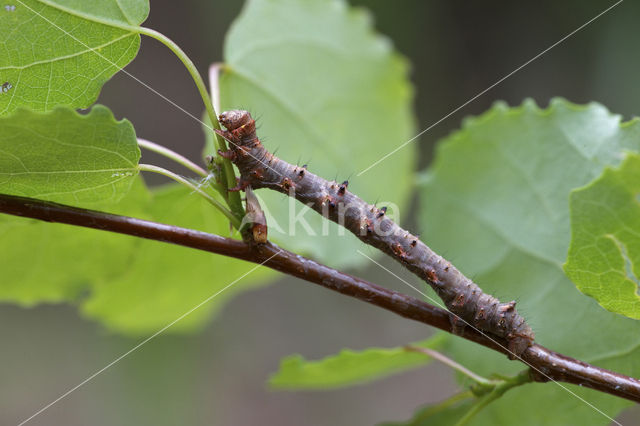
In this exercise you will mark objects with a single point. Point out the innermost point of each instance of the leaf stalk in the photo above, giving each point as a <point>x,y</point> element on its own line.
<point>233,199</point>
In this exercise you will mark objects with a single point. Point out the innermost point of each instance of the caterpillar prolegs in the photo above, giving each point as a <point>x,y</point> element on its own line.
<point>261,169</point>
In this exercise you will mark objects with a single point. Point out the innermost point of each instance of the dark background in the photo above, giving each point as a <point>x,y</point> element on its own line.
<point>458,49</point>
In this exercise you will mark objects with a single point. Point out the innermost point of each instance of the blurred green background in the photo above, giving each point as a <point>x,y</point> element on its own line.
<point>457,49</point>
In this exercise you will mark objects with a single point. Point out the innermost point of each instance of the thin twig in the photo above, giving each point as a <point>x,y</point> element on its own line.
<point>451,363</point>
<point>187,183</point>
<point>159,149</point>
<point>500,389</point>
<point>555,366</point>
<point>214,84</point>
<point>229,174</point>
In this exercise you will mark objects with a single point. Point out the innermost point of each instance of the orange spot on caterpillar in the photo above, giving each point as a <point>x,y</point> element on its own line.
<point>480,314</point>
<point>328,200</point>
<point>502,322</point>
<point>287,184</point>
<point>257,173</point>
<point>366,225</point>
<point>459,301</point>
<point>399,251</point>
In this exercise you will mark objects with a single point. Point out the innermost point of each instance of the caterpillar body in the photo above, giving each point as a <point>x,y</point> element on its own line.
<point>465,299</point>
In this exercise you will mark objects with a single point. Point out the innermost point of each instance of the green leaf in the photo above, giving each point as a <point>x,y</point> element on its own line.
<point>61,52</point>
<point>604,255</point>
<point>67,157</point>
<point>329,92</point>
<point>496,202</point>
<point>349,367</point>
<point>53,263</point>
<point>163,281</point>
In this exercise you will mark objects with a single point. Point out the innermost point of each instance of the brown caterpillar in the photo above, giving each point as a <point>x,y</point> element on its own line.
<point>261,169</point>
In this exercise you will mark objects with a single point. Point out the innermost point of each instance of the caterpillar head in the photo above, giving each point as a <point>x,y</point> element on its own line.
<point>234,119</point>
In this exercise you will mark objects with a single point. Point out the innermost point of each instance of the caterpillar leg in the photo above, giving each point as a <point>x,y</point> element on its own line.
<point>229,155</point>
<point>240,186</point>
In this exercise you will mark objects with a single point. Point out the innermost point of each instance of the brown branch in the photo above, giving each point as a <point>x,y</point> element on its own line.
<point>545,365</point>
